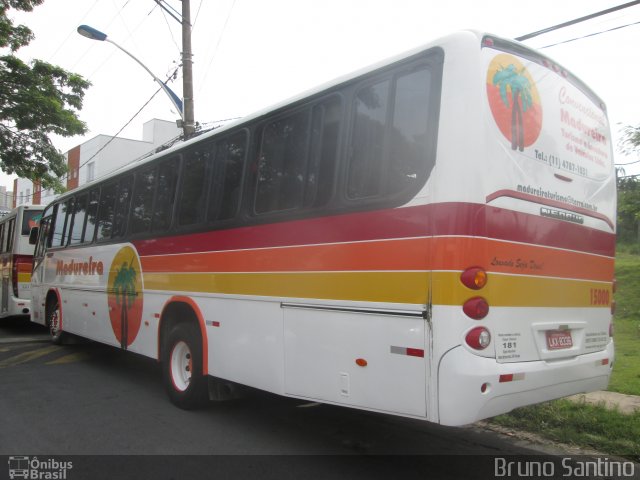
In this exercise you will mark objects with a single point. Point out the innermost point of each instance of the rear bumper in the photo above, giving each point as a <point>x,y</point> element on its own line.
<point>461,375</point>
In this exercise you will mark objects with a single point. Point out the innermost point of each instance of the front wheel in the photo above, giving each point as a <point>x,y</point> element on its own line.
<point>54,322</point>
<point>182,367</point>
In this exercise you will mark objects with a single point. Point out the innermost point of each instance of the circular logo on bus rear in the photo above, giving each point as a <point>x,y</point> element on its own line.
<point>125,296</point>
<point>514,101</point>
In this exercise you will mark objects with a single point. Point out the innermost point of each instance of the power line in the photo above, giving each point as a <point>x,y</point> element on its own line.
<point>577,20</point>
<point>591,34</point>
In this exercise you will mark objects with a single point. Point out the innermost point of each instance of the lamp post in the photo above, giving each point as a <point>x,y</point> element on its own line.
<point>93,34</point>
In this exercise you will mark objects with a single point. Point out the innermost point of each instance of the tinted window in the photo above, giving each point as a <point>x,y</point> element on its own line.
<point>367,142</point>
<point>60,216</point>
<point>408,142</point>
<point>123,201</point>
<point>325,129</point>
<point>92,214</point>
<point>193,185</point>
<point>282,163</point>
<point>30,219</point>
<point>141,209</point>
<point>391,135</point>
<point>79,215</point>
<point>10,230</point>
<point>165,194</point>
<point>106,211</point>
<point>226,182</point>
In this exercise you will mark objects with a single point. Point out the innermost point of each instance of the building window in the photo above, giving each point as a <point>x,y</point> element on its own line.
<point>91,171</point>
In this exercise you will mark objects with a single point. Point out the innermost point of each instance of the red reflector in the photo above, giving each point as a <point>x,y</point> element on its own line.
<point>361,362</point>
<point>605,361</point>
<point>476,308</point>
<point>215,324</point>
<point>415,352</point>
<point>484,387</point>
<point>506,378</point>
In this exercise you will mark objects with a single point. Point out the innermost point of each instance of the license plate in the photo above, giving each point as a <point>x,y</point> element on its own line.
<point>559,339</point>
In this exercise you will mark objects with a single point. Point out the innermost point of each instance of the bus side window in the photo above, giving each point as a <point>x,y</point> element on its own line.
<point>141,208</point>
<point>367,141</point>
<point>2,238</point>
<point>79,213</point>
<point>325,129</point>
<point>191,207</point>
<point>92,214</point>
<point>410,130</point>
<point>106,211</point>
<point>123,201</point>
<point>226,182</point>
<point>165,194</point>
<point>10,230</point>
<point>59,223</point>
<point>282,163</point>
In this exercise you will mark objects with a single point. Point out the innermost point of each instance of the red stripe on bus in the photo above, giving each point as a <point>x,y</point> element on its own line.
<point>463,219</point>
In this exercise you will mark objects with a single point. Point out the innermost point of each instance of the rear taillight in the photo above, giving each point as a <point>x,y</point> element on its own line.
<point>20,264</point>
<point>478,338</point>
<point>476,308</point>
<point>474,278</point>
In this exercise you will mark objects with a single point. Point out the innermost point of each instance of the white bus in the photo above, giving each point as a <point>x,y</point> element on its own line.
<point>16,258</point>
<point>430,237</point>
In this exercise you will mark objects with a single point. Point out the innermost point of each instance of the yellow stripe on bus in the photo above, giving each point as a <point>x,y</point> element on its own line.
<point>519,291</point>
<point>24,277</point>
<point>391,287</point>
<point>394,287</point>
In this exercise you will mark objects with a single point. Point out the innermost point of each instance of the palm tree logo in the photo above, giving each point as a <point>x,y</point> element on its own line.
<point>124,288</point>
<point>514,101</point>
<point>125,296</point>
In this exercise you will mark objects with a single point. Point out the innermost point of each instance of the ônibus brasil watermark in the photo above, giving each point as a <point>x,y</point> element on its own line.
<point>32,468</point>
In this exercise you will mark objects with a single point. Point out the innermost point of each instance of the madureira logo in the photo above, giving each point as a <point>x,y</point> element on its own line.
<point>90,267</point>
<point>124,288</point>
<point>514,101</point>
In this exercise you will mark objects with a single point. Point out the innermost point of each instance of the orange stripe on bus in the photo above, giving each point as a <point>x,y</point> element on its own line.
<point>418,254</point>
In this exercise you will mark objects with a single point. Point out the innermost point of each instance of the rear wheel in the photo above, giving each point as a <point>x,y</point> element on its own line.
<point>182,367</point>
<point>54,322</point>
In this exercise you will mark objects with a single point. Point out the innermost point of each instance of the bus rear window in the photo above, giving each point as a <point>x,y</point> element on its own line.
<point>30,219</point>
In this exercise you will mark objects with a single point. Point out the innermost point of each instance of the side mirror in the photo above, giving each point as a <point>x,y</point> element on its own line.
<point>33,236</point>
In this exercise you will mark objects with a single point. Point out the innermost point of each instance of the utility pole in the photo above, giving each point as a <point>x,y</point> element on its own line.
<point>188,126</point>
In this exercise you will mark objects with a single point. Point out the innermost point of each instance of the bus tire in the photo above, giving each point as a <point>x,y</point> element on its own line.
<point>54,317</point>
<point>182,367</point>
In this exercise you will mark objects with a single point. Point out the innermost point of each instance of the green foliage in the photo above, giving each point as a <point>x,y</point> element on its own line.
<point>628,209</point>
<point>630,141</point>
<point>36,99</point>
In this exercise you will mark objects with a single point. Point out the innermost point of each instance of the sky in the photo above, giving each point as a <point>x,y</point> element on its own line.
<point>249,54</point>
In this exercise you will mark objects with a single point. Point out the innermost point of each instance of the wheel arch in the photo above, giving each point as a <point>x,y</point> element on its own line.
<point>179,309</point>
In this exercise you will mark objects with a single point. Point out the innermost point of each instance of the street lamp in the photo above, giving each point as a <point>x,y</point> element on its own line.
<point>93,34</point>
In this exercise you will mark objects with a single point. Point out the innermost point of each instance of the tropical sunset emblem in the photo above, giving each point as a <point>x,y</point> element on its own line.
<point>125,296</point>
<point>514,101</point>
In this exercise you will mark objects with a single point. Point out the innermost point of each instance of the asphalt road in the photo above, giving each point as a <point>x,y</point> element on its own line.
<point>90,399</point>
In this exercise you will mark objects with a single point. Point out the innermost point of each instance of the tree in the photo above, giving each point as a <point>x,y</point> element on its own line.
<point>629,190</point>
<point>510,78</point>
<point>36,99</point>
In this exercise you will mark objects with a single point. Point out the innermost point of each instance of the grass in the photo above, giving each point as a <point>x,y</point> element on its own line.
<point>626,369</point>
<point>608,431</point>
<point>587,426</point>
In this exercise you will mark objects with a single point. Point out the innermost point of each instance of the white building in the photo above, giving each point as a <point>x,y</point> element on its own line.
<point>97,158</point>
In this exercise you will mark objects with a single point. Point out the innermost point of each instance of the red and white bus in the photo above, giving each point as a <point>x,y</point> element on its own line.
<point>430,237</point>
<point>16,258</point>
